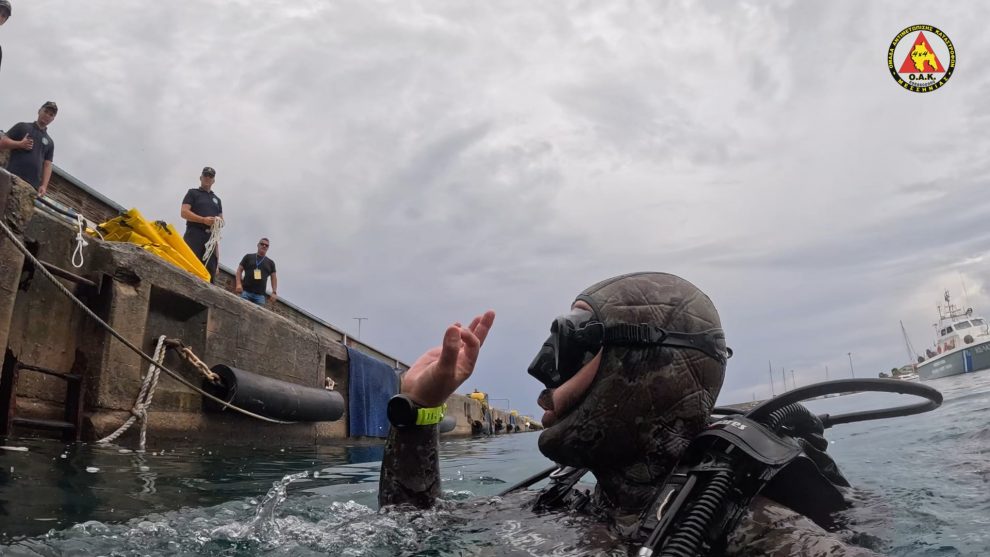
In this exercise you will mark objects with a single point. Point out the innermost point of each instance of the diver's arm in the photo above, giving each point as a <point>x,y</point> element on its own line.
<point>772,529</point>
<point>411,466</point>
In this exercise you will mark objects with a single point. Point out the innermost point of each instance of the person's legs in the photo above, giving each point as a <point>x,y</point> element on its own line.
<point>196,239</point>
<point>211,267</point>
<point>256,298</point>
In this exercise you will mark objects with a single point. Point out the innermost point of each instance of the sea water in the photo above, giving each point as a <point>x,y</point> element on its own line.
<point>924,477</point>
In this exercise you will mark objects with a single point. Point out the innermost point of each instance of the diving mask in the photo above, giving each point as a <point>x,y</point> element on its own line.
<point>576,337</point>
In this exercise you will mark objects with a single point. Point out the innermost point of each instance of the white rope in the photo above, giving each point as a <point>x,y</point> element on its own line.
<point>215,234</point>
<point>77,254</point>
<point>143,400</point>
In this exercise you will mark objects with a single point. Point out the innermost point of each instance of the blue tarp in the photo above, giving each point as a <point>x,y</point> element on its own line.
<point>371,383</point>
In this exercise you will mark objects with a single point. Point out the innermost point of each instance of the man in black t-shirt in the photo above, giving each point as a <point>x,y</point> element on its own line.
<point>201,209</point>
<point>256,268</point>
<point>32,149</point>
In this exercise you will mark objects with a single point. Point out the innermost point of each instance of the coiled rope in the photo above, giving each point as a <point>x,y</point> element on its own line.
<point>47,274</point>
<point>216,231</point>
<point>77,254</point>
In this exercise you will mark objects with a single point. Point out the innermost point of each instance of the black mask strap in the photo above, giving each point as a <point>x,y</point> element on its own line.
<point>711,342</point>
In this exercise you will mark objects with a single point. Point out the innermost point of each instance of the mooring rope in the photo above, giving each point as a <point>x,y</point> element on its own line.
<point>143,400</point>
<point>47,274</point>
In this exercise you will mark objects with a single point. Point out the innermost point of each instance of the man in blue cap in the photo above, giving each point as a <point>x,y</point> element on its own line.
<point>32,149</point>
<point>203,213</point>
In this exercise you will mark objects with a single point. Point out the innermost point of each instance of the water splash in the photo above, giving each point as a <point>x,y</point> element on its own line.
<point>263,528</point>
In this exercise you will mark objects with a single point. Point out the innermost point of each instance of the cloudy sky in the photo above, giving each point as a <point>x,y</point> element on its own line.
<point>416,163</point>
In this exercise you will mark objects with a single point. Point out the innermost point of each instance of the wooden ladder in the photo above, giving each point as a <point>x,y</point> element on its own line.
<point>71,426</point>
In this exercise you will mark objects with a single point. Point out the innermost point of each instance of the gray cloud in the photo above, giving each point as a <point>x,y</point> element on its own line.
<point>417,163</point>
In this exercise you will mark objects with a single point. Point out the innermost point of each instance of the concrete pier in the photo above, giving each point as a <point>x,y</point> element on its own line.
<point>143,297</point>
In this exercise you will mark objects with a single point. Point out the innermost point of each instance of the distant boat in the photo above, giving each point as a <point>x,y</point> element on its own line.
<point>962,345</point>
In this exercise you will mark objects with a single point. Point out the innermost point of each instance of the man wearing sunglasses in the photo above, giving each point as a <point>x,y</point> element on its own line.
<point>203,212</point>
<point>631,373</point>
<point>255,268</point>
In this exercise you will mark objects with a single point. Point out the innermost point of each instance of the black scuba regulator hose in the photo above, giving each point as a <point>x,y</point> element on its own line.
<point>696,525</point>
<point>763,411</point>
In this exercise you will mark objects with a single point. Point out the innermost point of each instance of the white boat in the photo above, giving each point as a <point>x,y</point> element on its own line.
<point>962,344</point>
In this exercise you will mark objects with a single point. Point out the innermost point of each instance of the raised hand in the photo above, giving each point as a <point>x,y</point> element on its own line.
<point>441,370</point>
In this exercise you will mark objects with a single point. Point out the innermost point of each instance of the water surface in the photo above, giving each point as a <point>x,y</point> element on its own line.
<point>925,476</point>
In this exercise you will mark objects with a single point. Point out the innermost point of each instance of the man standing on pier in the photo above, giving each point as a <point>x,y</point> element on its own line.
<point>32,149</point>
<point>256,268</point>
<point>203,213</point>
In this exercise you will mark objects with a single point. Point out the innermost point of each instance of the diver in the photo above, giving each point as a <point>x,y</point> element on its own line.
<point>631,375</point>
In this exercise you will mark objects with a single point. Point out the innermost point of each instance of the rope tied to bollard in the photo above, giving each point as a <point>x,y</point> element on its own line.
<point>143,400</point>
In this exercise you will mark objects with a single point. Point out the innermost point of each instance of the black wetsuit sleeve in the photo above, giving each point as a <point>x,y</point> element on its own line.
<point>410,468</point>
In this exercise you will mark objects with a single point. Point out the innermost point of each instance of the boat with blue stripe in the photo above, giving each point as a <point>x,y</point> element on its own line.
<point>962,344</point>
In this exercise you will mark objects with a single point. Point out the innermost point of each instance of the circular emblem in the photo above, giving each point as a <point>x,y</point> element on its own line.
<point>921,58</point>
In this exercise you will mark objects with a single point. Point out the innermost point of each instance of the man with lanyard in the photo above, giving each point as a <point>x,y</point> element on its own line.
<point>256,268</point>
<point>203,213</point>
<point>32,149</point>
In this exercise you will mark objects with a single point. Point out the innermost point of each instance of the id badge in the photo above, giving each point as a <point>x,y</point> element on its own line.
<point>257,274</point>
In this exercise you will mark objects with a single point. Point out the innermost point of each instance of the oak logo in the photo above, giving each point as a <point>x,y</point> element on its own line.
<point>921,58</point>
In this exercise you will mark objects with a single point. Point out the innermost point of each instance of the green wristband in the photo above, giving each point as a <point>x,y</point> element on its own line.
<point>403,412</point>
<point>430,416</point>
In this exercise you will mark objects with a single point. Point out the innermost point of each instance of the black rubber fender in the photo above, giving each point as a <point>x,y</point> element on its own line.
<point>275,398</point>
